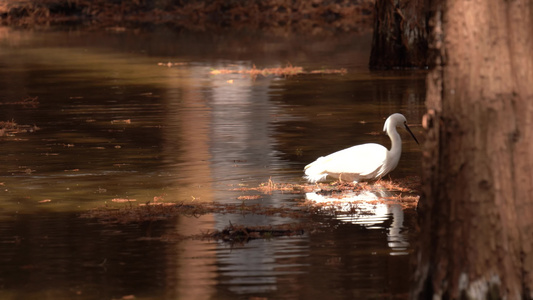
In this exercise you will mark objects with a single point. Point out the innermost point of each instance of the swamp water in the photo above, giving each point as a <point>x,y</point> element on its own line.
<point>164,115</point>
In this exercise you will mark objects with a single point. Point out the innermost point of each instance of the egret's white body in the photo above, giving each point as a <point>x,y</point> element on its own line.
<point>361,162</point>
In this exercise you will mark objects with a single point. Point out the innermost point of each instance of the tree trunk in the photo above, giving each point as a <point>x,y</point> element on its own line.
<point>400,32</point>
<point>476,211</point>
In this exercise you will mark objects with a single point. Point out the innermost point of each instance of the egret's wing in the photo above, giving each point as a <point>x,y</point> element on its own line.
<point>361,159</point>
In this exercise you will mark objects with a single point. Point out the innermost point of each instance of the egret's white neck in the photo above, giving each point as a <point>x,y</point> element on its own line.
<point>396,141</point>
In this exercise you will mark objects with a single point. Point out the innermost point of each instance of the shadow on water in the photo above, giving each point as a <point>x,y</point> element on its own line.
<point>116,121</point>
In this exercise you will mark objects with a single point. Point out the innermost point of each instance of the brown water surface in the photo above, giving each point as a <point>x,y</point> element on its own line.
<point>116,121</point>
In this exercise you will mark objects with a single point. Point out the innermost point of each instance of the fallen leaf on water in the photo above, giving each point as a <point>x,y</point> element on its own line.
<point>158,198</point>
<point>127,121</point>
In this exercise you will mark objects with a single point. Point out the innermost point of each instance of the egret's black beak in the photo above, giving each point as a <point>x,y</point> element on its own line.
<point>414,137</point>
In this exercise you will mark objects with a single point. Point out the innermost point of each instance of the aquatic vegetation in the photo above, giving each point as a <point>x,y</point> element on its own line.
<point>254,72</point>
<point>289,70</point>
<point>10,128</point>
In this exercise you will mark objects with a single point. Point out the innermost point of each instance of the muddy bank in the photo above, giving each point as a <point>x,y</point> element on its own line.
<point>296,15</point>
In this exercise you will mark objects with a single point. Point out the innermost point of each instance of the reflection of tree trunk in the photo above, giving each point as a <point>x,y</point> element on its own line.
<point>187,141</point>
<point>399,34</point>
<point>476,213</point>
<point>196,268</point>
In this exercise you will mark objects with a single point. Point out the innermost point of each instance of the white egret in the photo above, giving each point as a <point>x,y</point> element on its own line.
<point>361,162</point>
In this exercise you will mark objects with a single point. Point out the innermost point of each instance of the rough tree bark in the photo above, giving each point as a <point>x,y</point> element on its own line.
<point>400,34</point>
<point>476,212</point>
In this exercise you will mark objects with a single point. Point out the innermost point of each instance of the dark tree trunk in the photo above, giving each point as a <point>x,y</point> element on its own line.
<point>400,34</point>
<point>476,211</point>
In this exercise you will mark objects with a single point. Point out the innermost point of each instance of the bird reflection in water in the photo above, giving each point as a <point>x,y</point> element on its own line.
<point>368,208</point>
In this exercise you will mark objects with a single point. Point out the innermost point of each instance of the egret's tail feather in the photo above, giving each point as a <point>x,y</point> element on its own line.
<point>314,172</point>
<point>315,178</point>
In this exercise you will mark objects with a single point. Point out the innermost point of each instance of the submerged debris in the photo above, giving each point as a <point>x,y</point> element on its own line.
<point>322,201</point>
<point>245,233</point>
<point>166,210</point>
<point>240,234</point>
<point>156,210</point>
